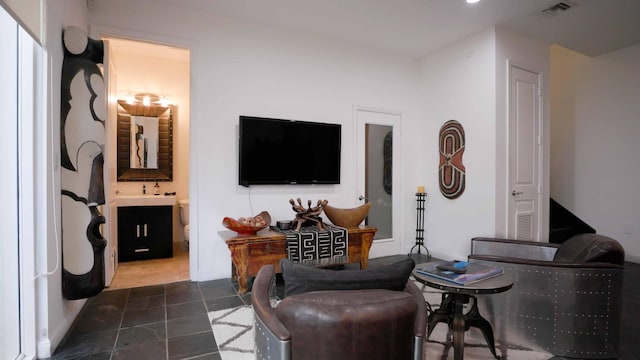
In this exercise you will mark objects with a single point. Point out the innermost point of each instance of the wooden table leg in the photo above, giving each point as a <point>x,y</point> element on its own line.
<point>367,240</point>
<point>240,258</point>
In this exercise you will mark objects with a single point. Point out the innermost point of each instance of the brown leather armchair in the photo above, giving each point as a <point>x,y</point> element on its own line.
<point>338,324</point>
<point>566,299</point>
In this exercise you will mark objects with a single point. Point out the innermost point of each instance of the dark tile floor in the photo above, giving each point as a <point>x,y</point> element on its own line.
<point>155,322</point>
<point>169,321</point>
<point>166,321</point>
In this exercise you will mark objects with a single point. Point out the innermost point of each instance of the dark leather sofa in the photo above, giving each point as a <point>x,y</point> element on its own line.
<point>566,299</point>
<point>322,317</point>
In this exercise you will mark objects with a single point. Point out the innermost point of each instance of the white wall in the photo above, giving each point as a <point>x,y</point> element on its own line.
<point>595,145</point>
<point>244,69</point>
<point>467,81</point>
<point>565,75</point>
<point>55,315</point>
<point>459,83</point>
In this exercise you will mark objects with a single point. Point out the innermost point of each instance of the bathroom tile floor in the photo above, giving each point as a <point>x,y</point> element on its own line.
<point>153,272</point>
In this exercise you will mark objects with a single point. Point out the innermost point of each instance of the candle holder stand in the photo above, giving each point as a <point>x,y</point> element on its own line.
<point>420,202</point>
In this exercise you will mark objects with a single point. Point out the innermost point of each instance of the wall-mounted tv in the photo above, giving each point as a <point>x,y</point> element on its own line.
<point>278,151</point>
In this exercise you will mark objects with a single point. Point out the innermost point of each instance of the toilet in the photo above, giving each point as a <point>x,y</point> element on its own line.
<point>184,218</point>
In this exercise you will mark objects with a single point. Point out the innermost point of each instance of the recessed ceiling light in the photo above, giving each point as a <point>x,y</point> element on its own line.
<point>472,1</point>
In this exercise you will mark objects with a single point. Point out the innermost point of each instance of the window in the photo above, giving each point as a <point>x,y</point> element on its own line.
<point>9,255</point>
<point>20,58</point>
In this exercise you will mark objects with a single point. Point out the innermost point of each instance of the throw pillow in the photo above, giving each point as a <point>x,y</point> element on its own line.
<point>391,274</point>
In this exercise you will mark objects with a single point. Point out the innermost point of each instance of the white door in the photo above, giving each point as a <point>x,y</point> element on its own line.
<point>377,142</point>
<point>525,147</point>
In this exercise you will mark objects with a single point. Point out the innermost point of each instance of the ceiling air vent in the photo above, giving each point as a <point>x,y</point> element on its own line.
<point>557,8</point>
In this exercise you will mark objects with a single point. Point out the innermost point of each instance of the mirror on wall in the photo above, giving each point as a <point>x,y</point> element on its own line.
<point>145,142</point>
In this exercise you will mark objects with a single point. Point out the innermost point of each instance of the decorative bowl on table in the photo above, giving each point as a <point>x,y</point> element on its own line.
<point>248,225</point>
<point>347,217</point>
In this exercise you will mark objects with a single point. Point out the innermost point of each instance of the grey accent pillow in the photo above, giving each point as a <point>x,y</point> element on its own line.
<point>391,274</point>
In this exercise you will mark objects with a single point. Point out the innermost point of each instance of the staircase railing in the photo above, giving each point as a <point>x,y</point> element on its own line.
<point>563,224</point>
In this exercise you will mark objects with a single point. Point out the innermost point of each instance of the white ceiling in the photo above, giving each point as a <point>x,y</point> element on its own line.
<point>417,27</point>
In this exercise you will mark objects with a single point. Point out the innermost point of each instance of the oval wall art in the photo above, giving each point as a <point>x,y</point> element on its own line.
<point>451,175</point>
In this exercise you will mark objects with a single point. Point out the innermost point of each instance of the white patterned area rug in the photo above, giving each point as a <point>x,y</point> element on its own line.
<point>233,331</point>
<point>440,343</point>
<point>440,346</point>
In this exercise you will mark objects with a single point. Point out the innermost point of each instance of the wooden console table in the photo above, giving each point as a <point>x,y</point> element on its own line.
<point>250,252</point>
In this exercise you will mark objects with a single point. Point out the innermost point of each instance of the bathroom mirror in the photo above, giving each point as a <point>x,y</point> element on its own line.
<point>145,142</point>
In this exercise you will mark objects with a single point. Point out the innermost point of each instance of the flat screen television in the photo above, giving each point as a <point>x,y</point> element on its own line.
<point>278,151</point>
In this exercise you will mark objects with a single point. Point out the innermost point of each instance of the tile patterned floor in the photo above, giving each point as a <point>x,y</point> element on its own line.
<point>169,321</point>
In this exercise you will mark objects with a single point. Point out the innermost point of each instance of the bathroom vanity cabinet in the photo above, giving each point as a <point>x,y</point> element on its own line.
<point>145,232</point>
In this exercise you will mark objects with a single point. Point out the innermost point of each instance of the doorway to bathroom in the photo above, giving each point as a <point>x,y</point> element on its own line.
<point>148,74</point>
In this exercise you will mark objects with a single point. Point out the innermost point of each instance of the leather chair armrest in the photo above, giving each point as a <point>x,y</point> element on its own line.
<point>420,325</point>
<point>260,299</point>
<point>533,262</point>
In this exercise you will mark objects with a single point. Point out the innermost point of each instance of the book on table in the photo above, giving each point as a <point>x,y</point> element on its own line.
<point>459,272</point>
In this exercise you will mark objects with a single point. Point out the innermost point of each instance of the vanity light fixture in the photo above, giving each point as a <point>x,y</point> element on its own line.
<point>129,98</point>
<point>164,101</point>
<point>472,1</point>
<point>147,99</point>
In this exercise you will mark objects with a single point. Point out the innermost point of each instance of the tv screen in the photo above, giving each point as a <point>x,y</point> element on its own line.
<point>277,151</point>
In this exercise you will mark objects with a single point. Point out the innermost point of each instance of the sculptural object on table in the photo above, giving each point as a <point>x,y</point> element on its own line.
<point>309,215</point>
<point>347,217</point>
<point>248,225</point>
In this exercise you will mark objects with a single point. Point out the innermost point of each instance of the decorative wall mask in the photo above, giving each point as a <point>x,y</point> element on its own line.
<point>82,138</point>
<point>451,175</point>
<point>387,156</point>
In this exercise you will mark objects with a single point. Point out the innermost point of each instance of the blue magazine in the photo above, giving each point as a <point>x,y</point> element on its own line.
<point>474,272</point>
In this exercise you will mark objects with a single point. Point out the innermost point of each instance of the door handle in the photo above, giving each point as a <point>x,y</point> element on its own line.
<point>516,193</point>
<point>145,230</point>
<point>137,231</point>
<point>362,197</point>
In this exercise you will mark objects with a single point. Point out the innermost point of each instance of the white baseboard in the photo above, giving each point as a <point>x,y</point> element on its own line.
<point>48,343</point>
<point>44,348</point>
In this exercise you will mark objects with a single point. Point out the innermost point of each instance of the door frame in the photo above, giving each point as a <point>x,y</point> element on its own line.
<point>101,32</point>
<point>393,245</point>
<point>543,135</point>
<point>109,208</point>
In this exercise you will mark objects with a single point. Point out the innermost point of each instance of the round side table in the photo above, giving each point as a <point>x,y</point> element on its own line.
<point>452,305</point>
